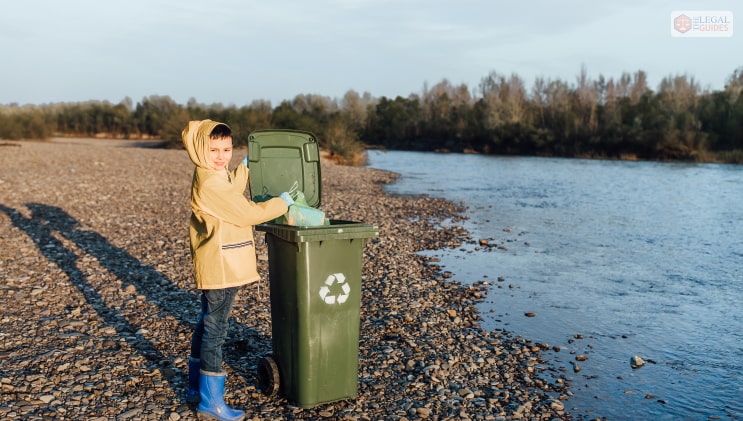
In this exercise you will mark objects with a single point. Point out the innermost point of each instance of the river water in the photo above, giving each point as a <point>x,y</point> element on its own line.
<point>615,259</point>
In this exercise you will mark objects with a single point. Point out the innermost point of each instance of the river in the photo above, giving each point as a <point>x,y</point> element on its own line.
<point>615,259</point>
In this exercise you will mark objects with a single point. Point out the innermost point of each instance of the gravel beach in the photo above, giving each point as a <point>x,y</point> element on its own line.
<point>98,300</point>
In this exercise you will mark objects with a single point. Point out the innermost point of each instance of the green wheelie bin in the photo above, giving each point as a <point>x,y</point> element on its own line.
<point>314,277</point>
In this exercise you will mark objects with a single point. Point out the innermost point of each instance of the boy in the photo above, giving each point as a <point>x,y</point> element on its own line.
<point>223,253</point>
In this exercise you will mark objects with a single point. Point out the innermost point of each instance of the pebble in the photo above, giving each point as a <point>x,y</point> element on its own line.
<point>99,300</point>
<point>636,362</point>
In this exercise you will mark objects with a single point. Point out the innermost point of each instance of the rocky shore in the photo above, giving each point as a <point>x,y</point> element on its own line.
<point>98,301</point>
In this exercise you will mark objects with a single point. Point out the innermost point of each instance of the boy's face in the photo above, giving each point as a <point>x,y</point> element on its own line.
<point>220,151</point>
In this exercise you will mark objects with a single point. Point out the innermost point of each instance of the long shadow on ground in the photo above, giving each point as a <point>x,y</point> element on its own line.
<point>47,220</point>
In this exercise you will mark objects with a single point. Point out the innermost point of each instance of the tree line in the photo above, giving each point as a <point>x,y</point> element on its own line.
<point>605,118</point>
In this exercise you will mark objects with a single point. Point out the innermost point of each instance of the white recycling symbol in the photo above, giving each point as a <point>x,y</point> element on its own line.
<point>342,296</point>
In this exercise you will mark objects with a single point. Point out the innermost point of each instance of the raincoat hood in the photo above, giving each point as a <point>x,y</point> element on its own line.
<point>196,140</point>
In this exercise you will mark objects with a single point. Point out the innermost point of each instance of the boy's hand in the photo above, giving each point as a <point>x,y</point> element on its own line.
<point>287,198</point>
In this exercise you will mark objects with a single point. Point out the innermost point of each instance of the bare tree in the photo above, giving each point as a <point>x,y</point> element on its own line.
<point>734,84</point>
<point>680,92</point>
<point>506,99</point>
<point>639,87</point>
<point>354,109</point>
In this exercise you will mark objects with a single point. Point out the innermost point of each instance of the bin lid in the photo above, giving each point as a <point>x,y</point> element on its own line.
<point>278,159</point>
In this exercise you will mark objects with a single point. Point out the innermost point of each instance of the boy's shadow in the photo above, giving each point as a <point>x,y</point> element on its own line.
<point>46,220</point>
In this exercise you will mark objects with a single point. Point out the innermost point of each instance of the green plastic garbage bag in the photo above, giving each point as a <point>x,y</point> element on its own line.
<point>300,214</point>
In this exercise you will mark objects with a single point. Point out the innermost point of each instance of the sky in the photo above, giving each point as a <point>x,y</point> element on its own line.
<point>234,52</point>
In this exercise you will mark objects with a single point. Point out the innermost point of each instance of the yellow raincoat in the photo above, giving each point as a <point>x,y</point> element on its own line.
<point>222,218</point>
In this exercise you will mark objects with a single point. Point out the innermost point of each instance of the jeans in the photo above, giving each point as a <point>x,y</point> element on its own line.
<point>211,329</point>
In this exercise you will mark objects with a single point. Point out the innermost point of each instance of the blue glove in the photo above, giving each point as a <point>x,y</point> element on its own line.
<point>287,198</point>
<point>245,161</point>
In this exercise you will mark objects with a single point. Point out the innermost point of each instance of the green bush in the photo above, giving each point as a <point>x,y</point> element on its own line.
<point>342,145</point>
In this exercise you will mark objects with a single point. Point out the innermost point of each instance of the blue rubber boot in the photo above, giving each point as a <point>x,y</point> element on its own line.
<point>212,406</point>
<point>194,366</point>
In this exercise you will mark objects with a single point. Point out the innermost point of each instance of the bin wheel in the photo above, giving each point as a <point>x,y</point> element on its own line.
<point>268,376</point>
